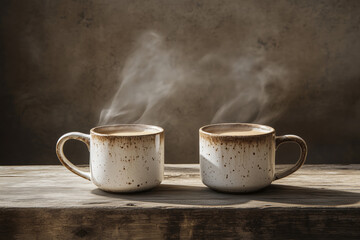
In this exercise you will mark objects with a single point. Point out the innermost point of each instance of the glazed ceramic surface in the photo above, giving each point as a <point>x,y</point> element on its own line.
<point>232,163</point>
<point>120,163</point>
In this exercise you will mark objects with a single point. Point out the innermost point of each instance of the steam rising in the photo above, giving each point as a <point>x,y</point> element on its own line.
<point>149,75</point>
<point>160,85</point>
<point>258,91</point>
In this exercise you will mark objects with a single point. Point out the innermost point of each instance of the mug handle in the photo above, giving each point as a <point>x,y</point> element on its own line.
<point>85,138</point>
<point>303,152</point>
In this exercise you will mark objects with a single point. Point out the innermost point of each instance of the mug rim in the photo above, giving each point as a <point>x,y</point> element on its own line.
<point>158,130</point>
<point>269,129</point>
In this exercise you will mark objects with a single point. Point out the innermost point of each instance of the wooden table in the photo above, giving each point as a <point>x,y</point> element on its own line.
<point>47,202</point>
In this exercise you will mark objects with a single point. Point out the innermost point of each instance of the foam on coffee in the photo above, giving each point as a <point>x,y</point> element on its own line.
<point>127,130</point>
<point>238,132</point>
<point>131,132</point>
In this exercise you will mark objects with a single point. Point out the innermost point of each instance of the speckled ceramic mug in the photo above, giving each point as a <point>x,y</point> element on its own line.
<point>123,158</point>
<point>240,157</point>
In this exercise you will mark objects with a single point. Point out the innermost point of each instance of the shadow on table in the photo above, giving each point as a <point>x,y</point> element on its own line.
<point>201,195</point>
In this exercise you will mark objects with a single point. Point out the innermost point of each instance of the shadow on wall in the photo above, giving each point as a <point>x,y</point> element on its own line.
<point>68,66</point>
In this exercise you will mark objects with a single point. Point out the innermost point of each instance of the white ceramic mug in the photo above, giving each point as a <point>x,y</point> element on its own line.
<point>240,157</point>
<point>123,158</point>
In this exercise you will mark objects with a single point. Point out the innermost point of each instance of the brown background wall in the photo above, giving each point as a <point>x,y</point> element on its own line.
<point>61,64</point>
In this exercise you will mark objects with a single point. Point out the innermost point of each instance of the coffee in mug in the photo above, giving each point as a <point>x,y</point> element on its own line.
<point>240,157</point>
<point>123,158</point>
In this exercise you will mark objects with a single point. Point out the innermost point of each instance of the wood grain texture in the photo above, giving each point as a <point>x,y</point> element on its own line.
<point>47,202</point>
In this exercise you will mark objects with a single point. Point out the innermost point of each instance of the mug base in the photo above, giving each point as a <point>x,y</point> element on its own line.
<point>129,190</point>
<point>236,190</point>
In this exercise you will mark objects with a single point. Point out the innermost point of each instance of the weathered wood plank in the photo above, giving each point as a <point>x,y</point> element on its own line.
<point>105,223</point>
<point>50,202</point>
<point>54,186</point>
